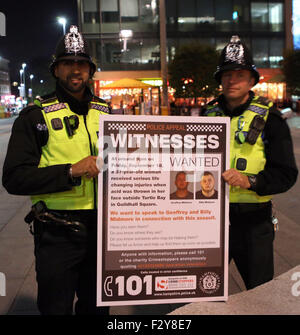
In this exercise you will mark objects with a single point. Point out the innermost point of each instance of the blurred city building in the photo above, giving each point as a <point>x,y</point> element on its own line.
<point>264,25</point>
<point>296,24</point>
<point>4,77</point>
<point>6,99</point>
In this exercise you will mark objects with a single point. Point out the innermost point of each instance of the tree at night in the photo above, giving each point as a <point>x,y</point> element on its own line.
<point>191,71</point>
<point>291,71</point>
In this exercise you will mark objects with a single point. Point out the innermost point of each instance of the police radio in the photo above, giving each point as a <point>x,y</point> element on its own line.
<point>256,127</point>
<point>241,164</point>
<point>71,123</point>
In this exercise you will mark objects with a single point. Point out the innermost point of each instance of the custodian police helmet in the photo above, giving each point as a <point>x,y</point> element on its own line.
<point>72,47</point>
<point>236,56</point>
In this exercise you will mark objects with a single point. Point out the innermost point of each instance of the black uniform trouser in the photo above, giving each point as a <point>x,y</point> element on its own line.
<point>65,266</point>
<point>251,236</point>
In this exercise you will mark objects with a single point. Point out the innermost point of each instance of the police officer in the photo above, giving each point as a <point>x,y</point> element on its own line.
<point>52,156</point>
<point>262,162</point>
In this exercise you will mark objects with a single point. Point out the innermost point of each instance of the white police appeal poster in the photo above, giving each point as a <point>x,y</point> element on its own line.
<point>163,210</point>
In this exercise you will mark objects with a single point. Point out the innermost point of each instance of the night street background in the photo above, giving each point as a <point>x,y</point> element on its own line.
<point>32,32</point>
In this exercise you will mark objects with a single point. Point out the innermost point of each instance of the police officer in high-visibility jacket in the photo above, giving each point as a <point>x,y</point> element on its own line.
<point>262,162</point>
<point>52,156</point>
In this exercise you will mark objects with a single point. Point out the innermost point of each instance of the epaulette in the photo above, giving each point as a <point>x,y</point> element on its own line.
<point>49,100</point>
<point>206,111</point>
<point>215,109</point>
<point>274,111</point>
<point>29,109</point>
<point>45,99</point>
<point>212,102</point>
<point>49,96</point>
<point>101,108</point>
<point>40,102</point>
<point>97,99</point>
<point>263,101</point>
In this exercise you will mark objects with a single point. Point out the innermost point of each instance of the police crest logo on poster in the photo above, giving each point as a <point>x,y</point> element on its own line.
<point>209,282</point>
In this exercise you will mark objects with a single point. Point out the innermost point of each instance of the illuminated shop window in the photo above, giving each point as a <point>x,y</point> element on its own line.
<point>272,91</point>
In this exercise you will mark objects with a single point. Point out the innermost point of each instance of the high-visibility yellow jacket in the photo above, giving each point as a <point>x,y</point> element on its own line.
<point>254,154</point>
<point>64,149</point>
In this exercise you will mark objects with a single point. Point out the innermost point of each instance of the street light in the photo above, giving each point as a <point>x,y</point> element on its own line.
<point>31,77</point>
<point>62,21</point>
<point>21,87</point>
<point>21,76</point>
<point>24,81</point>
<point>21,83</point>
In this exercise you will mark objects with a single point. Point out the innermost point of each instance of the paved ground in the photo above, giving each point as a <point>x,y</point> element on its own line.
<point>16,245</point>
<point>276,297</point>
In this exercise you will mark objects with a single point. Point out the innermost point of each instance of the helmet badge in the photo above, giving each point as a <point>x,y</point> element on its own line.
<point>74,41</point>
<point>235,51</point>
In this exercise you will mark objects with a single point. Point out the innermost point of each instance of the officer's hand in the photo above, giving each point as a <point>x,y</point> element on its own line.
<point>234,178</point>
<point>86,167</point>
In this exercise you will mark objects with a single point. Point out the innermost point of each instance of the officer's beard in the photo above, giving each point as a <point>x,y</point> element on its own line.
<point>72,86</point>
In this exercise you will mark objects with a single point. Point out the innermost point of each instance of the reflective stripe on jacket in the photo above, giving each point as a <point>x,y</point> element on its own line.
<point>64,149</point>
<point>251,155</point>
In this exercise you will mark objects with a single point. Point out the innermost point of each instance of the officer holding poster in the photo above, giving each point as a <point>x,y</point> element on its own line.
<point>261,159</point>
<point>52,157</point>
